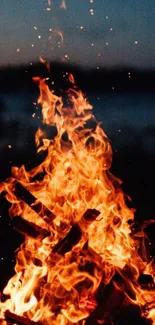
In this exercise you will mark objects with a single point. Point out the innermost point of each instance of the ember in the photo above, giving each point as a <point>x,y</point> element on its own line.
<point>81,262</point>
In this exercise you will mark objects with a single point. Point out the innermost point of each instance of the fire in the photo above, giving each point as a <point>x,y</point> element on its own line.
<point>77,226</point>
<point>56,34</point>
<point>63,4</point>
<point>46,63</point>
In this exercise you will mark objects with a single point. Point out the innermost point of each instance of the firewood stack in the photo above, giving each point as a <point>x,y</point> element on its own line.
<point>110,302</point>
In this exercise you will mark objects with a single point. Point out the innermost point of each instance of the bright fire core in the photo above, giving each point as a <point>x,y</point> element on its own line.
<point>59,284</point>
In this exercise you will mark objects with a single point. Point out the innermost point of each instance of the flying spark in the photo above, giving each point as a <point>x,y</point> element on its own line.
<point>91,11</point>
<point>63,4</point>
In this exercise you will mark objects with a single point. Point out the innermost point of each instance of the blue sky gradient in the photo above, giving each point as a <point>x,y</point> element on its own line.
<point>119,32</point>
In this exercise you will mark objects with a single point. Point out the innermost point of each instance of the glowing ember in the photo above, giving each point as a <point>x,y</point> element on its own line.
<point>76,223</point>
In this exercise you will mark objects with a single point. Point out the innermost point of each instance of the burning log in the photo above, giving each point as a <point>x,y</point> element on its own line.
<point>19,320</point>
<point>114,307</point>
<point>27,228</point>
<point>110,301</point>
<point>90,215</point>
<point>22,193</point>
<point>74,235</point>
<point>70,240</point>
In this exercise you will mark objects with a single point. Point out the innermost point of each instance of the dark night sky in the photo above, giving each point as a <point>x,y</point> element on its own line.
<point>96,32</point>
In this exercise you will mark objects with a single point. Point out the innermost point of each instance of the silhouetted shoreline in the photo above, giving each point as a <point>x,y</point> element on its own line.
<point>15,78</point>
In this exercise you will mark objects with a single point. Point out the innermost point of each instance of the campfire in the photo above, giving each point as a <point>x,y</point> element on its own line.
<point>82,260</point>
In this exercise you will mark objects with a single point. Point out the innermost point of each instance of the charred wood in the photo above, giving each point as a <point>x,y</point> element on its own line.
<point>74,235</point>
<point>28,228</point>
<point>19,320</point>
<point>90,215</point>
<point>71,239</point>
<point>109,302</point>
<point>21,192</point>
<point>115,308</point>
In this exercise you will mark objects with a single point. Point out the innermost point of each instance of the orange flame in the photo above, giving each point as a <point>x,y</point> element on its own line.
<point>56,33</point>
<point>61,288</point>
<point>46,63</point>
<point>63,4</point>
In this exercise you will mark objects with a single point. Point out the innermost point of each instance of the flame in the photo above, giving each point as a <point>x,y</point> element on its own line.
<point>46,63</point>
<point>63,4</point>
<point>51,285</point>
<point>56,33</point>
